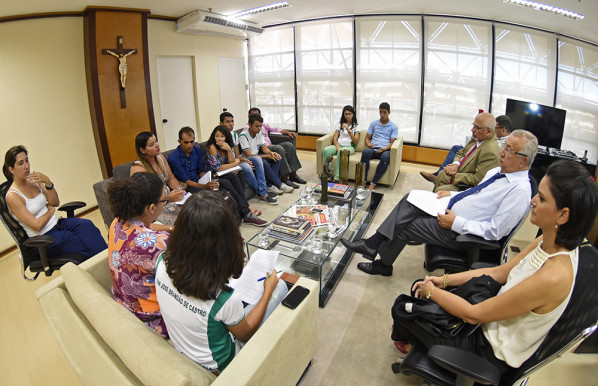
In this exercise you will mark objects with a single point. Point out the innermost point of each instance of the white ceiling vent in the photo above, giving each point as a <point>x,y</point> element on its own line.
<point>204,23</point>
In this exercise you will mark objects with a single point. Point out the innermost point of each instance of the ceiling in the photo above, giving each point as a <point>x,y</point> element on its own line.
<point>586,29</point>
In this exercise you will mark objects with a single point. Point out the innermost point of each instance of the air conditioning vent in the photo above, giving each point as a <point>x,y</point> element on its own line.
<point>203,23</point>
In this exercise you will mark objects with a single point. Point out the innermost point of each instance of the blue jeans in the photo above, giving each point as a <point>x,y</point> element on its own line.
<point>75,235</point>
<point>279,293</point>
<point>450,157</point>
<point>384,158</point>
<point>256,179</point>
<point>271,169</point>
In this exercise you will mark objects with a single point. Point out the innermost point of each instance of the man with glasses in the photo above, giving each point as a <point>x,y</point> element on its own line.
<point>473,161</point>
<point>490,210</point>
<point>502,131</point>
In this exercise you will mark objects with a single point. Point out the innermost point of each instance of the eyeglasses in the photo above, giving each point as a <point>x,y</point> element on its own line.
<point>165,201</point>
<point>477,127</point>
<point>509,150</point>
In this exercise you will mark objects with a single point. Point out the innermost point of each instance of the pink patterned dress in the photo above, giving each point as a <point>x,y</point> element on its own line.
<point>134,249</point>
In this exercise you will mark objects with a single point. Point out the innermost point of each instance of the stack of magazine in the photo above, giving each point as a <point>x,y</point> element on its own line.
<point>295,230</point>
<point>318,215</point>
<point>337,190</point>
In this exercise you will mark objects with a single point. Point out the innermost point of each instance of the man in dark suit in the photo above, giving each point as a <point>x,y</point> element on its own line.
<point>473,161</point>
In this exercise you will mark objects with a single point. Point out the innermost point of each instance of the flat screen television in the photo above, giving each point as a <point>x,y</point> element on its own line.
<point>546,123</point>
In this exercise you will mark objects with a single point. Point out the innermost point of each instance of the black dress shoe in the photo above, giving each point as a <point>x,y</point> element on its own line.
<point>360,247</point>
<point>297,179</point>
<point>375,268</point>
<point>291,184</point>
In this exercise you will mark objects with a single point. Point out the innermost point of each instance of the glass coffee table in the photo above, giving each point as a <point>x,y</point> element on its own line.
<point>327,267</point>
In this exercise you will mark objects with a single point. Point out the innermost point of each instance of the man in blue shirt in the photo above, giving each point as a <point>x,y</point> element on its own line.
<point>380,137</point>
<point>490,210</point>
<point>187,165</point>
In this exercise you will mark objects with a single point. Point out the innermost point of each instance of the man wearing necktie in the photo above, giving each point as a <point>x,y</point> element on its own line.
<point>490,210</point>
<point>473,161</point>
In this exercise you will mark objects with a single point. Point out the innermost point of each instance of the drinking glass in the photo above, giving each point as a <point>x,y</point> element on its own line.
<point>303,197</point>
<point>360,193</point>
<point>316,245</point>
<point>309,190</point>
<point>264,243</point>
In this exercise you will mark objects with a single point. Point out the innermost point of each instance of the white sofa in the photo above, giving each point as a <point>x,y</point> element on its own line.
<point>394,167</point>
<point>108,345</point>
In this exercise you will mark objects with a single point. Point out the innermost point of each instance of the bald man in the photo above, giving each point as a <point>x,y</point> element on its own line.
<point>473,161</point>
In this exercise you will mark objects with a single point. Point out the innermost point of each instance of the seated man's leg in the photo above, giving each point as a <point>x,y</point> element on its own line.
<point>285,169</point>
<point>443,182</point>
<point>291,157</point>
<point>366,156</point>
<point>271,169</point>
<point>450,157</point>
<point>249,176</point>
<point>262,186</point>
<point>382,166</point>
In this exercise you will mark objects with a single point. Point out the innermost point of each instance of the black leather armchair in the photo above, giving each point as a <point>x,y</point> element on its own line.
<point>442,365</point>
<point>33,253</point>
<point>478,248</point>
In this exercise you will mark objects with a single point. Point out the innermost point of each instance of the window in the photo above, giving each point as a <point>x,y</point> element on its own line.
<point>324,55</point>
<point>389,70</point>
<point>577,92</point>
<point>272,76</point>
<point>457,78</point>
<point>524,68</point>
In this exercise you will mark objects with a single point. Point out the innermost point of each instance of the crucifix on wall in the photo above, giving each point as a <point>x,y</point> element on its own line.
<point>121,54</point>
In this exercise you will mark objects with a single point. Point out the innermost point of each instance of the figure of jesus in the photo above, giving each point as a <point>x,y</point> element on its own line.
<point>122,65</point>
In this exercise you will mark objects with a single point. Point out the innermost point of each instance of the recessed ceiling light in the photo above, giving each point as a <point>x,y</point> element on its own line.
<point>263,8</point>
<point>545,7</point>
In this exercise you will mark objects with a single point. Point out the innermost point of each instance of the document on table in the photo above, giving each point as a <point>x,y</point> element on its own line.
<point>182,201</point>
<point>428,201</point>
<point>233,169</point>
<point>260,264</point>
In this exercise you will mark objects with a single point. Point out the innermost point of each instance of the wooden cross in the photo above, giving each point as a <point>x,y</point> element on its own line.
<point>121,54</point>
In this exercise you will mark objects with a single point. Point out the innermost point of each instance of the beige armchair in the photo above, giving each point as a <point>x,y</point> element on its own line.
<point>107,345</point>
<point>389,178</point>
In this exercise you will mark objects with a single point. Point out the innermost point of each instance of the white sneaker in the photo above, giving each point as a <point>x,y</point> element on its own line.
<point>286,188</point>
<point>275,190</point>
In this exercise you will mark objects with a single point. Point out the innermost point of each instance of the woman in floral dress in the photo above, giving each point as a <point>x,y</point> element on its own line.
<point>134,248</point>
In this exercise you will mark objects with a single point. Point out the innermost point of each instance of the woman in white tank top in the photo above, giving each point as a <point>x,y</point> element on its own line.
<point>536,284</point>
<point>32,201</point>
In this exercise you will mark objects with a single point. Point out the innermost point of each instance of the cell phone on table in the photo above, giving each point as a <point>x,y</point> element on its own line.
<point>295,297</point>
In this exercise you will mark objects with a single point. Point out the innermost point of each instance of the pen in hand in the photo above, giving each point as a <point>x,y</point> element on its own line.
<point>265,277</point>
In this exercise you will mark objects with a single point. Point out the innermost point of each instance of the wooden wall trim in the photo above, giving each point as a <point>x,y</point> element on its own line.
<point>5,19</point>
<point>148,84</point>
<point>93,93</point>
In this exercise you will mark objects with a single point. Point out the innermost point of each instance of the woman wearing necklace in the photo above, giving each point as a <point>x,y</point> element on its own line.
<point>32,200</point>
<point>536,284</point>
<point>150,159</point>
<point>346,136</point>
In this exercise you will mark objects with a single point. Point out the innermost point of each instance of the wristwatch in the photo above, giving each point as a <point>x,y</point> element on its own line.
<point>51,186</point>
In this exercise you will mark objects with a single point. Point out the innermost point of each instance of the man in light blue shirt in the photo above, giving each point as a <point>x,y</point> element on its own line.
<point>380,136</point>
<point>490,211</point>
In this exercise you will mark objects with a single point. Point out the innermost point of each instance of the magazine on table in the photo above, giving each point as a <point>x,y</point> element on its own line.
<point>317,215</point>
<point>338,190</point>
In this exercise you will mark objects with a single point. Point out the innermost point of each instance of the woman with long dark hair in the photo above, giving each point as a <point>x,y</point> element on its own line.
<point>32,200</point>
<point>221,157</point>
<point>134,247</point>
<point>201,311</point>
<point>536,284</point>
<point>346,136</point>
<point>150,159</point>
